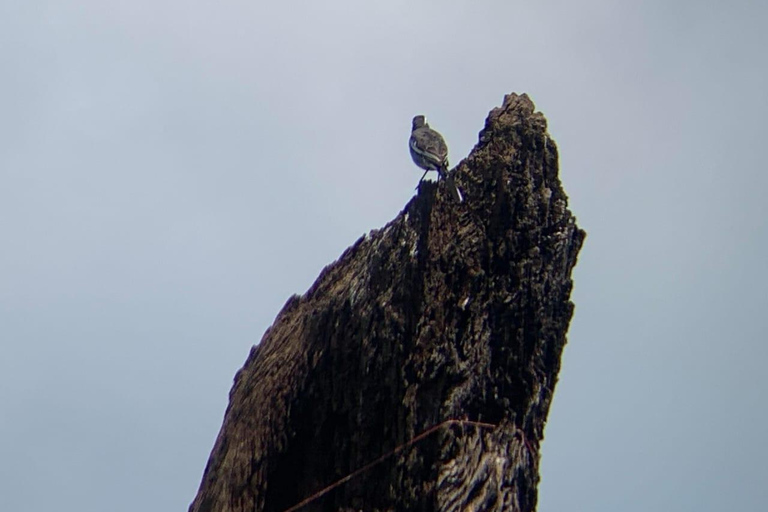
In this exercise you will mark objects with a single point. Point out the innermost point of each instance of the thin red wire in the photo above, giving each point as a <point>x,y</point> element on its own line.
<point>368,466</point>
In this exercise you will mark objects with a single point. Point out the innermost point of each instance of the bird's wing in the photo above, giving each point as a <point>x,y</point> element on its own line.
<point>430,145</point>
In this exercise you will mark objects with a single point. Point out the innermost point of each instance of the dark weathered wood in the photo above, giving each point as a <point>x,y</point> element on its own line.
<point>451,311</point>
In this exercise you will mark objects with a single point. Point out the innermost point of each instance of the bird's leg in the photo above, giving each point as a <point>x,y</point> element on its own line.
<point>422,179</point>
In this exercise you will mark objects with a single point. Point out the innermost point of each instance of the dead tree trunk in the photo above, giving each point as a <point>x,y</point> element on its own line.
<point>451,311</point>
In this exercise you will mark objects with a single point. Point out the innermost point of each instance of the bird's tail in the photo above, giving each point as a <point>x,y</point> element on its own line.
<point>451,184</point>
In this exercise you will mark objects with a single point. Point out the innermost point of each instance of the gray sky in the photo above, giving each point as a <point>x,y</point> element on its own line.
<point>171,172</point>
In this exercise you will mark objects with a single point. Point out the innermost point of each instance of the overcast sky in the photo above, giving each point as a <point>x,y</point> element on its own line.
<point>171,172</point>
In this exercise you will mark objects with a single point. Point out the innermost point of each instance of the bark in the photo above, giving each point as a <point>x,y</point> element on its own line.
<point>451,311</point>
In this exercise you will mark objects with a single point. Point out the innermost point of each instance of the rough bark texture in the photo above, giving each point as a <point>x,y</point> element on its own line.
<point>451,311</point>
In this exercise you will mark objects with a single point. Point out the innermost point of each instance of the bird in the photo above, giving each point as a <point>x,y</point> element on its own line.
<point>429,151</point>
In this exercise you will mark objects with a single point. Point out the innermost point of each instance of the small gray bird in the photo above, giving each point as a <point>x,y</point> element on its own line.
<point>429,152</point>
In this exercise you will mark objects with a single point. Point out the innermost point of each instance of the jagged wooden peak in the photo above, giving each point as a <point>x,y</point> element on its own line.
<point>452,310</point>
